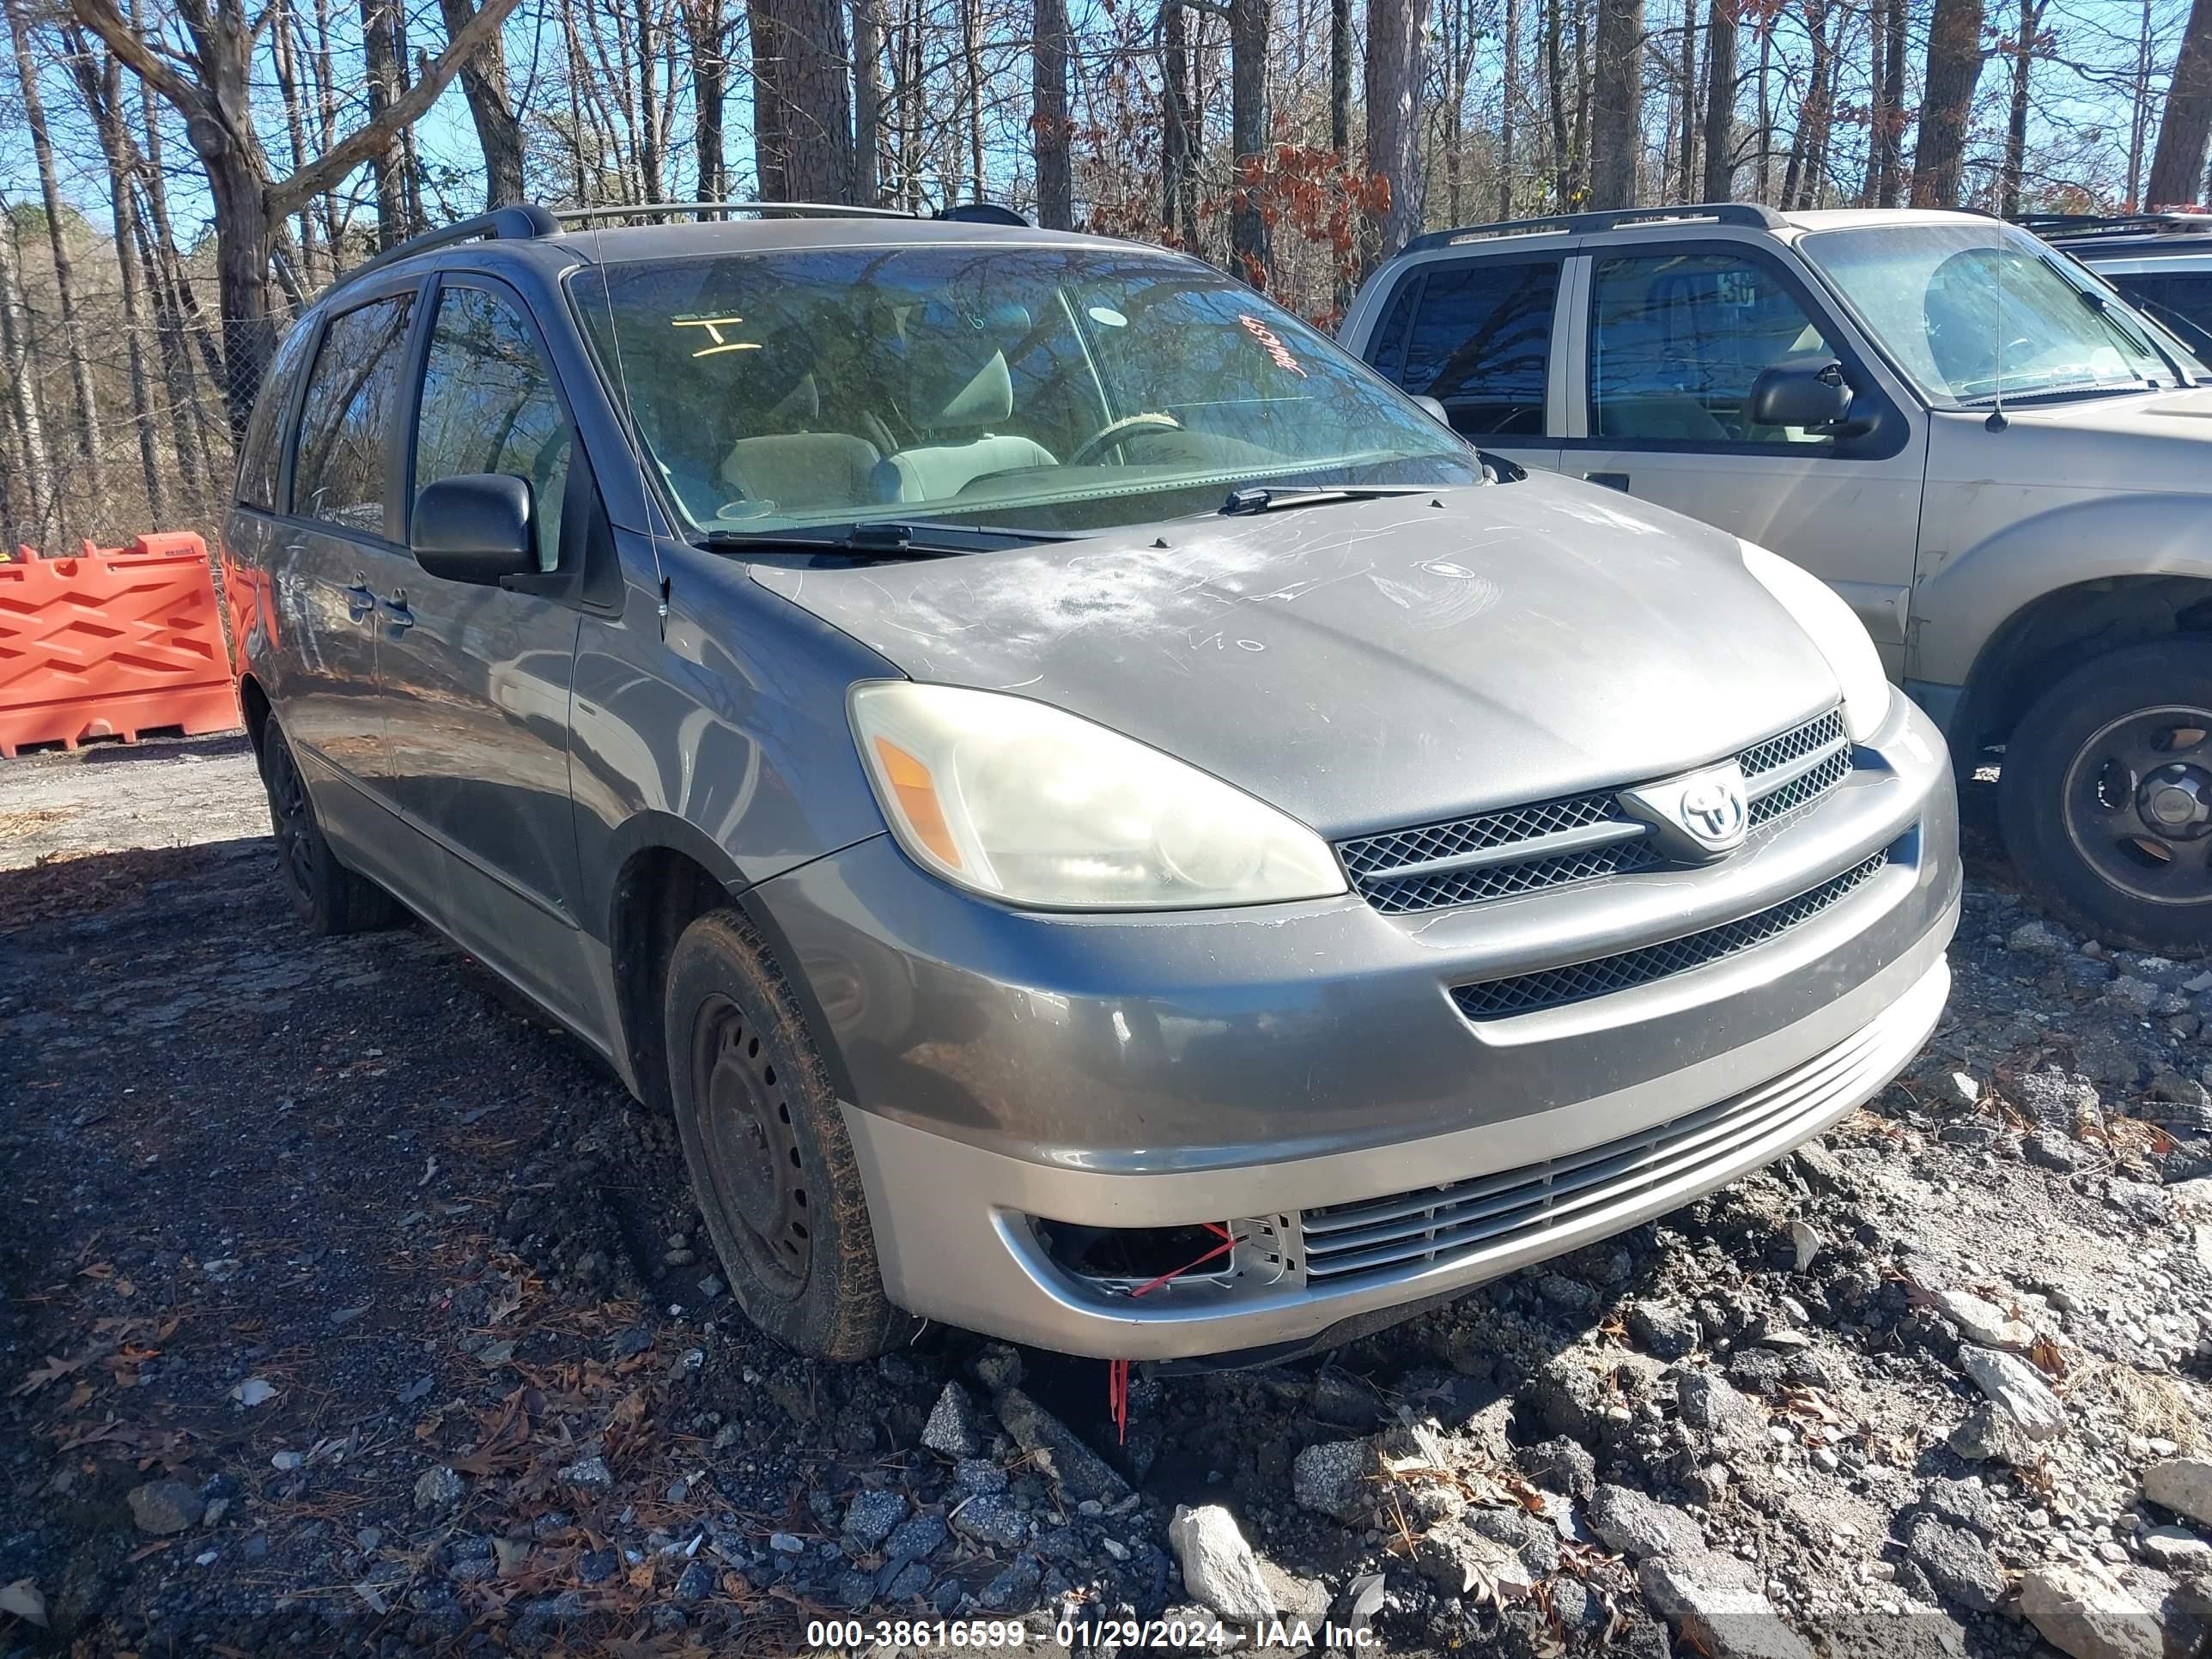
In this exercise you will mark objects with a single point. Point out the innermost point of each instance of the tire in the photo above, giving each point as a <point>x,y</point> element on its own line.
<point>2106,797</point>
<point>323,893</point>
<point>771,1164</point>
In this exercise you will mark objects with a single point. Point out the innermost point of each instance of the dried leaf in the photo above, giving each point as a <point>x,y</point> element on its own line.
<point>23,1599</point>
<point>52,1370</point>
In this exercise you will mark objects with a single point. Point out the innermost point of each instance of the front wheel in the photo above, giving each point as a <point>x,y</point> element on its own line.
<point>2106,797</point>
<point>770,1161</point>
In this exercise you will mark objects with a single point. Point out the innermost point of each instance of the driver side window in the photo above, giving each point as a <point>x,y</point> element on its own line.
<point>489,405</point>
<point>1677,341</point>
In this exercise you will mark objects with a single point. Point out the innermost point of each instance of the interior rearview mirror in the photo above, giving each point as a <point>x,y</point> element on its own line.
<point>1801,394</point>
<point>474,528</point>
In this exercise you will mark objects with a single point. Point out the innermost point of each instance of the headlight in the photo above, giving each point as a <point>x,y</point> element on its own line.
<point>1841,636</point>
<point>1036,806</point>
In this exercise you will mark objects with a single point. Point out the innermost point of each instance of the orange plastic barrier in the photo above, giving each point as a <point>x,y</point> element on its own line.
<point>113,643</point>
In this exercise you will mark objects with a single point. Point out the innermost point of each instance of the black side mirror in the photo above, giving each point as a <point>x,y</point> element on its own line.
<point>1812,395</point>
<point>474,528</point>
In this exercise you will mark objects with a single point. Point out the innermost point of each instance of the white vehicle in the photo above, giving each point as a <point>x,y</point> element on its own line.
<point>2003,468</point>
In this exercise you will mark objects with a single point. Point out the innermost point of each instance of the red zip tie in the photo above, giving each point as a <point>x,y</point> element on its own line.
<point>1228,1243</point>
<point>1117,1370</point>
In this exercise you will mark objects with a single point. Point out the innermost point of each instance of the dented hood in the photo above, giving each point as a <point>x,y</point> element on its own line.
<point>1369,665</point>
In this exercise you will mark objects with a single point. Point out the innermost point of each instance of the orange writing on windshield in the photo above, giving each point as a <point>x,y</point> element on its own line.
<point>1276,348</point>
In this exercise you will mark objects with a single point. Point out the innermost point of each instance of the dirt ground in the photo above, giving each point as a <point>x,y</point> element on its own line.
<point>349,1310</point>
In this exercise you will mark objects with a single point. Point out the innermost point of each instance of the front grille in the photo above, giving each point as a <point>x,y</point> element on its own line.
<point>1552,987</point>
<point>1521,849</point>
<point>1488,1214</point>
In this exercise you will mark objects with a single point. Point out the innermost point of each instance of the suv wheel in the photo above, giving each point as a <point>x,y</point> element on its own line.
<point>323,893</point>
<point>2106,797</point>
<point>771,1163</point>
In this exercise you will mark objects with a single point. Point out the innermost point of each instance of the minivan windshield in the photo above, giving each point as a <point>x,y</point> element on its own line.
<point>1973,313</point>
<point>1047,389</point>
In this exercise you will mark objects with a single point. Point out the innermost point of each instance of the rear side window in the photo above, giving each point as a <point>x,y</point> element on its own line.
<point>489,405</point>
<point>1480,344</point>
<point>340,474</point>
<point>261,457</point>
<point>2182,300</point>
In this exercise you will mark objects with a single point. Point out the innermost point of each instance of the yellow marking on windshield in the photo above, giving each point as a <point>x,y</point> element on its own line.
<point>714,325</point>
<point>734,345</point>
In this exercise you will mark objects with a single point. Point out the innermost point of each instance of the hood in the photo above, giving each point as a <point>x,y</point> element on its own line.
<point>1372,665</point>
<point>2155,442</point>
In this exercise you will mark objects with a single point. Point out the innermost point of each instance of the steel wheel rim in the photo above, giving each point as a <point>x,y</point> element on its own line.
<point>751,1148</point>
<point>288,801</point>
<point>2137,802</point>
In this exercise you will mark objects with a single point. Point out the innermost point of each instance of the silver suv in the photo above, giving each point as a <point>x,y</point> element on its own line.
<point>1106,823</point>
<point>2001,467</point>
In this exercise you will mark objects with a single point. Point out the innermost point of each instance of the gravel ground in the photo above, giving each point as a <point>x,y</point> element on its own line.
<point>347,1310</point>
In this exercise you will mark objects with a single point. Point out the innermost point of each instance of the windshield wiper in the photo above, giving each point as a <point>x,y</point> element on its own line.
<point>913,538</point>
<point>2056,393</point>
<point>1261,499</point>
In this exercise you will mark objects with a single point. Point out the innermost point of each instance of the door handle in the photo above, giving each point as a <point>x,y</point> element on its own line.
<point>359,600</point>
<point>398,617</point>
<point>1610,480</point>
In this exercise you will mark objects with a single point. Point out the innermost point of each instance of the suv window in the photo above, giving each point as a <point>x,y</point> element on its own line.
<point>1479,344</point>
<point>2182,300</point>
<point>340,475</point>
<point>489,405</point>
<point>261,457</point>
<point>1676,341</point>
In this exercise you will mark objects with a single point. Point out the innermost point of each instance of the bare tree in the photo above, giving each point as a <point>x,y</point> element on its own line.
<point>1954,68</point>
<point>2177,166</point>
<point>30,432</point>
<point>1247,138</point>
<point>208,81</point>
<point>1508,98</point>
<point>1616,101</point>
<point>498,129</point>
<point>1055,190</point>
<point>802,114</point>
<point>2022,50</point>
<point>867,99</point>
<point>1720,100</point>
<point>1393,127</point>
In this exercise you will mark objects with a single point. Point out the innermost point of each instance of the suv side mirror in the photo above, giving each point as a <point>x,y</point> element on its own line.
<point>1435,410</point>
<point>1812,395</point>
<point>474,528</point>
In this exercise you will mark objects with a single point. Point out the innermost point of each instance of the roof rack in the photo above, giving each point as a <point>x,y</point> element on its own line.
<point>525,219</point>
<point>972,212</point>
<point>2071,225</point>
<point>1580,224</point>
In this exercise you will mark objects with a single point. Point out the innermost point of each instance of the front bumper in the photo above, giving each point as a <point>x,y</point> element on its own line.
<point>1260,1068</point>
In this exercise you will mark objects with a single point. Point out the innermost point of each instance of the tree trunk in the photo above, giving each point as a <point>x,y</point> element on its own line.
<point>2178,164</point>
<point>1509,98</point>
<point>1251,257</point>
<point>34,116</point>
<point>1877,113</point>
<point>1720,101</point>
<point>868,102</point>
<point>1394,126</point>
<point>803,116</point>
<point>1555,90</point>
<point>1178,158</point>
<point>1688,71</point>
<point>1055,189</point>
<point>1892,97</point>
<point>1339,78</point>
<point>1766,109</point>
<point>1616,104</point>
<point>499,133</point>
<point>30,429</point>
<point>2015,167</point>
<point>1805,144</point>
<point>651,139</point>
<point>282,51</point>
<point>1954,67</point>
<point>381,58</point>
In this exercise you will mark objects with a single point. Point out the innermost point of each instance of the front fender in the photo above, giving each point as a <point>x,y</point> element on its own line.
<point>1961,602</point>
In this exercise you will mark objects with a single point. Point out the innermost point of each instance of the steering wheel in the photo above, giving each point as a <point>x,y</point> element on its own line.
<point>1115,431</point>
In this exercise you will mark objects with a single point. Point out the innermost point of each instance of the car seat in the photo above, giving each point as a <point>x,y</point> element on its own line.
<point>801,471</point>
<point>958,388</point>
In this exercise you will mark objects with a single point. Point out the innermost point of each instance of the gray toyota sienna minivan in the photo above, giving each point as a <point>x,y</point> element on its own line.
<point>1107,824</point>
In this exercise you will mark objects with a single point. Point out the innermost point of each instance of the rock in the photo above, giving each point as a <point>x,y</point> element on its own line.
<point>1536,1542</point>
<point>597,1566</point>
<point>438,1490</point>
<point>2036,939</point>
<point>786,1543</point>
<point>997,1368</point>
<point>1078,1472</point>
<point>2084,1611</point>
<point>589,1474</point>
<point>1564,1465</point>
<point>1957,1563</point>
<point>2177,1549</point>
<point>1717,1608</point>
<point>1964,1503</point>
<point>916,1538</point>
<point>954,1428</point>
<point>695,1584</point>
<point>1336,1478</point>
<point>974,1474</point>
<point>990,1519</point>
<point>2049,1151</point>
<point>1566,1397</point>
<point>1985,1321</point>
<point>1218,1566</point>
<point>1348,1402</point>
<point>1638,1527</point>
<point>1457,1559</point>
<point>869,1519</point>
<point>2183,1484</point>
<point>162,1507</point>
<point>1664,1329</point>
<point>2133,996</point>
<point>2055,1098</point>
<point>2012,1383</point>
<point>1710,1402</point>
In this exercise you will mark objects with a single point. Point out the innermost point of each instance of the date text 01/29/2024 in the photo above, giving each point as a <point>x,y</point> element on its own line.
<point>989,1634</point>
